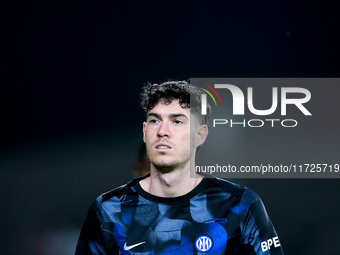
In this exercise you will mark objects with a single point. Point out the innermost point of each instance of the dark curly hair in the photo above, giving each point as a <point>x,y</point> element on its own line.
<point>170,90</point>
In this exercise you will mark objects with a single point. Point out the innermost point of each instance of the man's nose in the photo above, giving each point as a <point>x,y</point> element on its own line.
<point>164,130</point>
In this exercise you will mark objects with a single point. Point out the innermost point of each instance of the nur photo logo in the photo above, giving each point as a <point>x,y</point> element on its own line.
<point>204,97</point>
<point>302,96</point>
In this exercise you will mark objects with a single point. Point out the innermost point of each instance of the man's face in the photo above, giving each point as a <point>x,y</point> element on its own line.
<point>167,135</point>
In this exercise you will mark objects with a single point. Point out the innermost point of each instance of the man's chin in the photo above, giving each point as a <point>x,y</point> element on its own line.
<point>164,167</point>
<point>167,167</point>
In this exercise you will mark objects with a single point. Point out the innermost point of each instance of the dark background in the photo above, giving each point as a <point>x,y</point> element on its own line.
<point>70,93</point>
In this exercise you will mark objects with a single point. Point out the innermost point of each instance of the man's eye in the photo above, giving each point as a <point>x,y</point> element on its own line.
<point>153,121</point>
<point>178,122</point>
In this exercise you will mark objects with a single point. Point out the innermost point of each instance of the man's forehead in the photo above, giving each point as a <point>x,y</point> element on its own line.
<point>169,108</point>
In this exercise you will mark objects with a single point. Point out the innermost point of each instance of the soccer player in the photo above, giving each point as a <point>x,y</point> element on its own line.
<point>168,211</point>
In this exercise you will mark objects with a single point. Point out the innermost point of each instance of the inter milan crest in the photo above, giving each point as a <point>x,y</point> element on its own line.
<point>204,243</point>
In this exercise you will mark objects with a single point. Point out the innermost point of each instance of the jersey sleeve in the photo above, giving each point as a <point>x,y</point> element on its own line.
<point>91,239</point>
<point>258,234</point>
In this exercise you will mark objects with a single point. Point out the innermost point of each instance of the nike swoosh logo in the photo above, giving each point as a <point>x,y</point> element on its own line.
<point>131,246</point>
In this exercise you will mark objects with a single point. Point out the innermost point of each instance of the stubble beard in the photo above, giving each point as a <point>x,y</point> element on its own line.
<point>165,166</point>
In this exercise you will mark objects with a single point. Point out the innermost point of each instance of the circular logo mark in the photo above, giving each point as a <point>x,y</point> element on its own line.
<point>204,243</point>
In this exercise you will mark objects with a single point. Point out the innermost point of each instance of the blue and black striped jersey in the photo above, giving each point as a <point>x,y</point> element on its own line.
<point>217,217</point>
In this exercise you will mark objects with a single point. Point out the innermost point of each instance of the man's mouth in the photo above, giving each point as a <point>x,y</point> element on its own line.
<point>163,147</point>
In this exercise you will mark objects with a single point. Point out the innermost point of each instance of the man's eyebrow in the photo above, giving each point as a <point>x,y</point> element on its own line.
<point>154,114</point>
<point>173,115</point>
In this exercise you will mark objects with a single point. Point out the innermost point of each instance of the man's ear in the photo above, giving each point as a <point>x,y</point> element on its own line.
<point>144,129</point>
<point>202,133</point>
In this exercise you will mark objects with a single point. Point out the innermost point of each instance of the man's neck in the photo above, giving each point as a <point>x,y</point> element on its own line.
<point>173,184</point>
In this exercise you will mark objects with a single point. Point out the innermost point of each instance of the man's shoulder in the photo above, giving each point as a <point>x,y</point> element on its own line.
<point>245,194</point>
<point>121,190</point>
